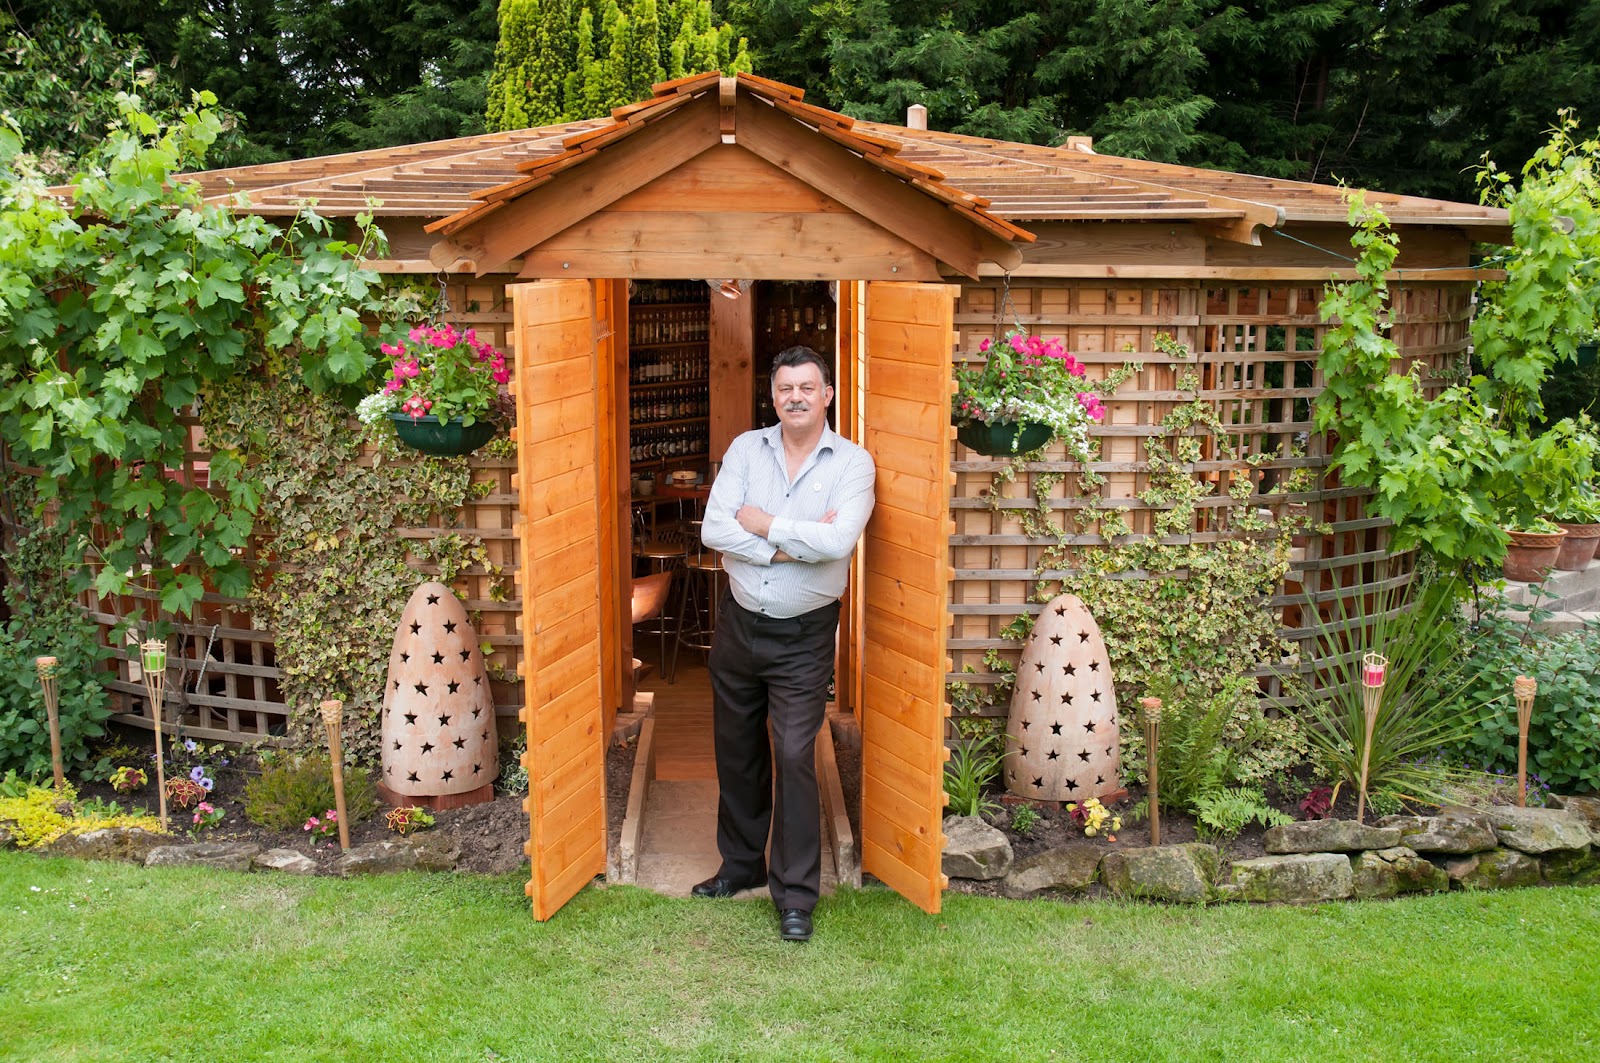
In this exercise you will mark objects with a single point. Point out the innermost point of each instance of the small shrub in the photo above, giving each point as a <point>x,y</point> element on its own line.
<point>292,791</point>
<point>1024,819</point>
<point>1224,813</point>
<point>184,793</point>
<point>973,767</point>
<point>410,818</point>
<point>39,814</point>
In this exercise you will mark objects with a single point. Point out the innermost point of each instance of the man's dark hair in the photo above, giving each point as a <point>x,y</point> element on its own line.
<point>790,357</point>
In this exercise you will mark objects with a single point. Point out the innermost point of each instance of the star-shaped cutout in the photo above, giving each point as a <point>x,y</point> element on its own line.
<point>1071,785</point>
<point>448,775</point>
<point>1099,780</point>
<point>397,684</point>
<point>450,626</point>
<point>1038,695</point>
<point>421,688</point>
<point>1061,610</point>
<point>476,713</point>
<point>1038,781</point>
<point>477,680</point>
<point>427,747</point>
<point>1094,666</point>
<point>405,658</point>
<point>1089,727</point>
<point>1055,728</point>
<point>444,721</point>
<point>411,717</point>
<point>412,777</point>
<point>1083,636</point>
<point>397,745</point>
<point>1024,751</point>
<point>454,686</point>
<point>1055,640</point>
<point>1066,699</point>
<point>1070,669</point>
<point>477,768</point>
<point>389,770</point>
<point>438,658</point>
<point>1026,724</point>
<point>1108,751</point>
<point>486,736</point>
<point>1039,665</point>
<point>1095,696</point>
<point>433,599</point>
<point>416,628</point>
<point>1052,755</point>
<point>466,655</point>
<point>1083,755</point>
<point>460,743</point>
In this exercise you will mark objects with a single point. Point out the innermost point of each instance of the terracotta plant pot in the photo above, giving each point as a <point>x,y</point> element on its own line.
<point>1578,548</point>
<point>442,439</point>
<point>1532,555</point>
<point>1001,438</point>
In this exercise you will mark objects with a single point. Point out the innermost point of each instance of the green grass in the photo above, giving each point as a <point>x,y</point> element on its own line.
<point>111,962</point>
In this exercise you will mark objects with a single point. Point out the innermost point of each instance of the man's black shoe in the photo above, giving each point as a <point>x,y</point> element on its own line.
<point>717,886</point>
<point>794,924</point>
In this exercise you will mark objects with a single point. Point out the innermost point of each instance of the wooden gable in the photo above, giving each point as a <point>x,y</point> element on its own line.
<point>726,179</point>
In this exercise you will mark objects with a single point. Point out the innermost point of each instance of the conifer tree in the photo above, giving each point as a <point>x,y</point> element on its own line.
<point>507,104</point>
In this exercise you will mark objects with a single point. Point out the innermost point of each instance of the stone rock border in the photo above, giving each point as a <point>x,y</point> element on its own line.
<point>419,852</point>
<point>1460,848</point>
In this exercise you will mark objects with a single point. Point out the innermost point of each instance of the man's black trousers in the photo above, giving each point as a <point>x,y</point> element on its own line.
<point>766,669</point>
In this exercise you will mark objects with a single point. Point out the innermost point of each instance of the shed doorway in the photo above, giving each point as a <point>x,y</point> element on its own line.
<point>576,448</point>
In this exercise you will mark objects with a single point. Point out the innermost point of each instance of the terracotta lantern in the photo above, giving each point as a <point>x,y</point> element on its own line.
<point>440,749</point>
<point>1063,733</point>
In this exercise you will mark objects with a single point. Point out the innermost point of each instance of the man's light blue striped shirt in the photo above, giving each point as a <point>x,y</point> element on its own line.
<point>837,476</point>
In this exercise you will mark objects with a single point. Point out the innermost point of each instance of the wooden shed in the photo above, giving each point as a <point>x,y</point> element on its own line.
<point>931,242</point>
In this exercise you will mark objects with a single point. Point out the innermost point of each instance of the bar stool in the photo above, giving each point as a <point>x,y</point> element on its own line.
<point>661,559</point>
<point>649,601</point>
<point>697,600</point>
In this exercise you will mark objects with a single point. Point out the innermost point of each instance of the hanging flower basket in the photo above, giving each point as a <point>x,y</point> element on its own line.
<point>442,439</point>
<point>1003,438</point>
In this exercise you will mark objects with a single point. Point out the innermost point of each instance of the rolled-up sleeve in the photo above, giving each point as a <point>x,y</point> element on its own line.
<point>812,540</point>
<point>720,529</point>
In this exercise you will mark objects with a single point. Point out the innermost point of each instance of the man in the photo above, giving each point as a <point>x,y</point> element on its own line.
<point>785,511</point>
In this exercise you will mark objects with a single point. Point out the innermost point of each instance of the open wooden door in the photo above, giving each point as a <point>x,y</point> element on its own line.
<point>562,457</point>
<point>908,343</point>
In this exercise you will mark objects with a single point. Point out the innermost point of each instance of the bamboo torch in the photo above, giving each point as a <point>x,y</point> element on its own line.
<point>1374,670</point>
<point>1523,688</point>
<point>333,720</point>
<point>154,659</point>
<point>52,712</point>
<point>1152,743</point>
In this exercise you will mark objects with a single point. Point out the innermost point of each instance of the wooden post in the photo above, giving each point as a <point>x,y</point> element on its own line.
<point>1374,668</point>
<point>333,720</point>
<point>1152,746</point>
<point>154,661</point>
<point>52,712</point>
<point>1523,688</point>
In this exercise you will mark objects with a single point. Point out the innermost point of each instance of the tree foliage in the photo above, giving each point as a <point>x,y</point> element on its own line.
<point>559,61</point>
<point>121,307</point>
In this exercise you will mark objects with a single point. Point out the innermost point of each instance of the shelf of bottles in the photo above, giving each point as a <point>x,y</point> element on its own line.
<point>669,360</point>
<point>789,314</point>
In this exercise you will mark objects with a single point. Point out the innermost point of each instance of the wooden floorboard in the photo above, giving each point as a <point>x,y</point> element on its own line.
<point>683,717</point>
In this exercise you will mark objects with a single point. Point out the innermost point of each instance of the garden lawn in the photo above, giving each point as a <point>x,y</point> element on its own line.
<point>111,962</point>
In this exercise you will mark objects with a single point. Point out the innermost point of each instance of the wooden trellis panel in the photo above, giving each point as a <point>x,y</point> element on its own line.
<point>1254,351</point>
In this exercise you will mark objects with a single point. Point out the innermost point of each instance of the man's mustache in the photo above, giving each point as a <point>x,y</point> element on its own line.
<point>796,407</point>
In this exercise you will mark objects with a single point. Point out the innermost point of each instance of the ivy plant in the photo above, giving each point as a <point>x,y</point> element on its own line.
<point>124,303</point>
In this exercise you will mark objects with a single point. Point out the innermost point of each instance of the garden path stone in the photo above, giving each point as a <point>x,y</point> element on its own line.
<point>1567,867</point>
<point>1539,830</point>
<point>974,849</point>
<point>1329,836</point>
<point>229,856</point>
<point>128,844</point>
<point>1296,878</point>
<point>288,861</point>
<point>1185,873</point>
<point>1586,808</point>
<point>1070,867</point>
<point>1498,869</point>
<point>417,853</point>
<point>1390,872</point>
<point>1451,832</point>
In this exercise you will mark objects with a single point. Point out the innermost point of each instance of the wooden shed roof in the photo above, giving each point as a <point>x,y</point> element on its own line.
<point>997,184</point>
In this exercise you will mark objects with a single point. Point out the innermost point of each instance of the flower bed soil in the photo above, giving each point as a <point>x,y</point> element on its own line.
<point>491,835</point>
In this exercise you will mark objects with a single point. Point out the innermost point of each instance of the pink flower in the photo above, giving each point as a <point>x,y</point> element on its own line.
<point>312,824</point>
<point>393,350</point>
<point>501,375</point>
<point>417,334</point>
<point>1016,342</point>
<point>983,345</point>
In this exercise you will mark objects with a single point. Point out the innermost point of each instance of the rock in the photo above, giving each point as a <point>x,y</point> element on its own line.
<point>1329,836</point>
<point>974,849</point>
<point>1390,872</point>
<point>438,726</point>
<point>1451,832</point>
<point>1301,878</point>
<point>1071,868</point>
<point>1585,808</point>
<point>229,856</point>
<point>1566,867</point>
<point>5,838</point>
<point>1495,870</point>
<point>128,844</point>
<point>288,861</point>
<point>417,853</point>
<point>1062,739</point>
<point>1186,873</point>
<point>1539,830</point>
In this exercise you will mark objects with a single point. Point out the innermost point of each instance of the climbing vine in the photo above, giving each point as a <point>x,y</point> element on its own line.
<point>340,577</point>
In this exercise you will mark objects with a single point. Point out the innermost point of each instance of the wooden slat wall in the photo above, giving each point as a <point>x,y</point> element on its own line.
<point>906,587</point>
<point>240,698</point>
<point>1255,349</point>
<point>567,547</point>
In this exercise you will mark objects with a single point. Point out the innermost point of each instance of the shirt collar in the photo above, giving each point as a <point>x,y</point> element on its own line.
<point>774,437</point>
